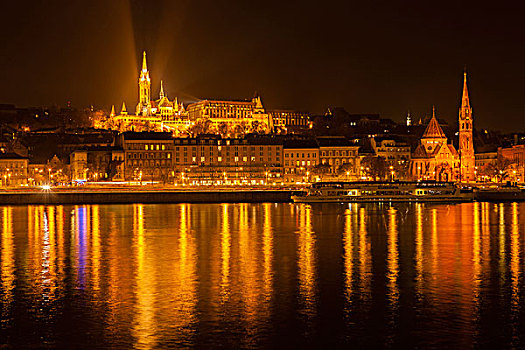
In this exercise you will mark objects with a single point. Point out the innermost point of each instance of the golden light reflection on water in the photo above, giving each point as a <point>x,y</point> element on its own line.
<point>267,253</point>
<point>515,270</point>
<point>476,251</point>
<point>144,328</point>
<point>365,257</point>
<point>225,254</point>
<point>348,242</point>
<point>393,260</point>
<point>184,281</point>
<point>95,249</point>
<point>306,262</point>
<point>7,262</point>
<point>140,271</point>
<point>501,235</point>
<point>419,250</point>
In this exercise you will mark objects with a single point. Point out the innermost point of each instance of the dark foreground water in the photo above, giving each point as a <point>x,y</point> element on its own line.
<point>263,275</point>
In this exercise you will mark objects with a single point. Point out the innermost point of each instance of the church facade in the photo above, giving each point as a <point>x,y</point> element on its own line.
<point>436,159</point>
<point>160,114</point>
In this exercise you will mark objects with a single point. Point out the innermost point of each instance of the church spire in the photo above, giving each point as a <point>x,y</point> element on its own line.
<point>112,113</point>
<point>123,110</point>
<point>465,103</point>
<point>161,90</point>
<point>144,64</point>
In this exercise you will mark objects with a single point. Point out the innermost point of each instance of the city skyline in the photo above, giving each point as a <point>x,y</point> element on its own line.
<point>308,59</point>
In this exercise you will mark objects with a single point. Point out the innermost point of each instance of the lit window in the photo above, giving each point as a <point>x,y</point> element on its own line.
<point>219,159</point>
<point>202,159</point>
<point>169,155</point>
<point>146,147</point>
<point>163,147</point>
<point>236,159</point>
<point>158,147</point>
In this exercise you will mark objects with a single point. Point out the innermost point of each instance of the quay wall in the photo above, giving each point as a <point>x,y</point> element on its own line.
<point>86,197</point>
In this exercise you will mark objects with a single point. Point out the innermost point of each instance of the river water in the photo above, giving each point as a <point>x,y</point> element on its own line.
<point>263,275</point>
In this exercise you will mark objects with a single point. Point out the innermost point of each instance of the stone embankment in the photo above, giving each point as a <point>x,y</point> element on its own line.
<point>145,196</point>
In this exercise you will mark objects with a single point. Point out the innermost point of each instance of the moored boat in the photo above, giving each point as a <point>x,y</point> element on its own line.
<point>377,191</point>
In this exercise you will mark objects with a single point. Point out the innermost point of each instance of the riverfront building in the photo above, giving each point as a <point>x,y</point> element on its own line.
<point>13,169</point>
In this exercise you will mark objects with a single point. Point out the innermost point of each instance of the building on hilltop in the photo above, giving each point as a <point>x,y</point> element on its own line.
<point>161,114</point>
<point>221,117</point>
<point>234,117</point>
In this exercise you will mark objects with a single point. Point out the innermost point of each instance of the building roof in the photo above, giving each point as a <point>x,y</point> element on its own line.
<point>433,130</point>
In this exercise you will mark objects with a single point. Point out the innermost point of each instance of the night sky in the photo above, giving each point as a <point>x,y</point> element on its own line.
<point>367,56</point>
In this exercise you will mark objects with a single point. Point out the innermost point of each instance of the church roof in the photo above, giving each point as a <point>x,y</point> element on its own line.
<point>420,152</point>
<point>165,102</point>
<point>433,130</point>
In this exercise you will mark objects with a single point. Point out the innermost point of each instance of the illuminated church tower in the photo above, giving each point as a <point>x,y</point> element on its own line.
<point>144,105</point>
<point>466,144</point>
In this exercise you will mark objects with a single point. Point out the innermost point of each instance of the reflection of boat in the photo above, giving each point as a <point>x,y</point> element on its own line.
<point>368,191</point>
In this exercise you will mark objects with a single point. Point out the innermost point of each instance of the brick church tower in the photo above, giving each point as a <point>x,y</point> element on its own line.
<point>466,144</point>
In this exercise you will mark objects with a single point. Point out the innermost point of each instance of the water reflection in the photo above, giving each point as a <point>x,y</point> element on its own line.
<point>348,239</point>
<point>7,263</point>
<point>392,271</point>
<point>262,275</point>
<point>306,264</point>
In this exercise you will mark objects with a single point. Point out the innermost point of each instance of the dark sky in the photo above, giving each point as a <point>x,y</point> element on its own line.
<point>367,56</point>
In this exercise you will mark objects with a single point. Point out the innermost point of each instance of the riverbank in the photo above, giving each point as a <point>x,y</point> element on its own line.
<point>123,196</point>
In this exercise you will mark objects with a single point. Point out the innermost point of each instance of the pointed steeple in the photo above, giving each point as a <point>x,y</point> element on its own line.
<point>162,94</point>
<point>433,129</point>
<point>112,113</point>
<point>465,103</point>
<point>123,110</point>
<point>144,64</point>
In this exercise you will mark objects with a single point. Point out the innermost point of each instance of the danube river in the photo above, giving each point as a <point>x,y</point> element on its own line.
<point>263,275</point>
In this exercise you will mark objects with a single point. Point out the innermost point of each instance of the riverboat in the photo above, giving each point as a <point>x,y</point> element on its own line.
<point>377,191</point>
